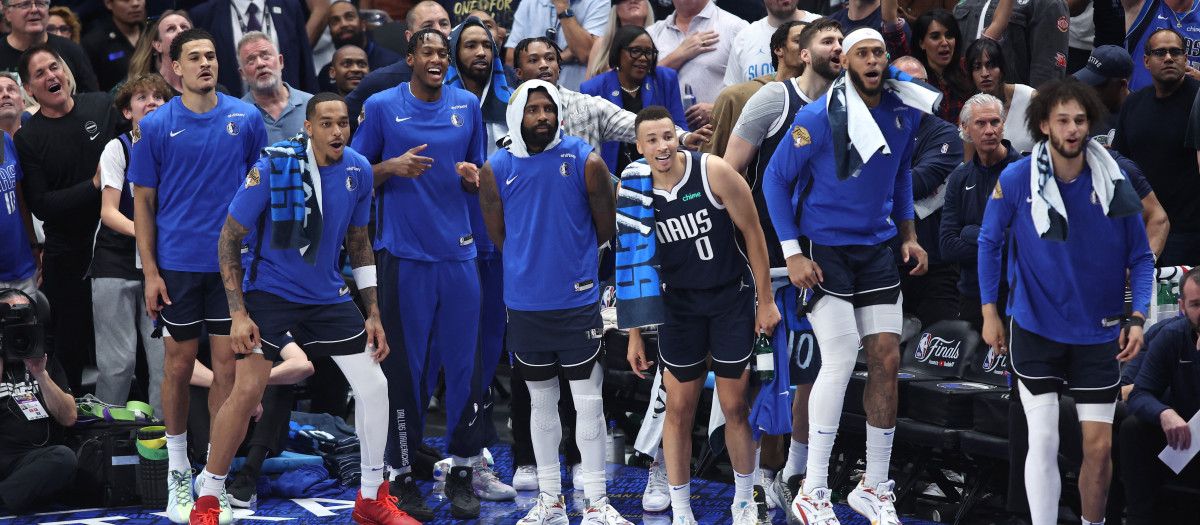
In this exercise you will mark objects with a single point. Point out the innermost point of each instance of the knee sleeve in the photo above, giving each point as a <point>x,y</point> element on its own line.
<point>1031,401</point>
<point>1096,412</point>
<point>838,339</point>
<point>589,405</point>
<point>880,318</point>
<point>543,399</point>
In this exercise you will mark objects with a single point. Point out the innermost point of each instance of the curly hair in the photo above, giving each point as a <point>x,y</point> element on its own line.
<point>1056,92</point>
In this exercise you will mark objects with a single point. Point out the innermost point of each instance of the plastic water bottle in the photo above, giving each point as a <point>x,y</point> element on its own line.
<point>441,469</point>
<point>764,359</point>
<point>689,98</point>
<point>615,441</point>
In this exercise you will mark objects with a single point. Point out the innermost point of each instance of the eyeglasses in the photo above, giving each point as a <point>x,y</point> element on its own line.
<point>1173,51</point>
<point>58,30</point>
<point>638,52</point>
<point>40,4</point>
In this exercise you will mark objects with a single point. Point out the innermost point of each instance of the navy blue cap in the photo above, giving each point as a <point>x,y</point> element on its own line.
<point>1106,62</point>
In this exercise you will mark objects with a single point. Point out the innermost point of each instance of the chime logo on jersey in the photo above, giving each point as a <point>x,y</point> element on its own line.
<point>684,227</point>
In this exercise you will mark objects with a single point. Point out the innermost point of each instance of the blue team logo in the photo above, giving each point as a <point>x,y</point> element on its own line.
<point>923,347</point>
<point>565,169</point>
<point>351,183</point>
<point>232,128</point>
<point>457,120</point>
<point>899,123</point>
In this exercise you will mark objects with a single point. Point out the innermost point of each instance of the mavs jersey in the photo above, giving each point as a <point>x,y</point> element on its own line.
<point>696,239</point>
<point>423,218</point>
<point>1157,14</point>
<point>551,260</point>
<point>16,260</point>
<point>345,198</point>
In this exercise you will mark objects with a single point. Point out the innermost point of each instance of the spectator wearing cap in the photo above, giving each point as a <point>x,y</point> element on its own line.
<point>574,25</point>
<point>1108,70</point>
<point>346,27</point>
<point>1157,130</point>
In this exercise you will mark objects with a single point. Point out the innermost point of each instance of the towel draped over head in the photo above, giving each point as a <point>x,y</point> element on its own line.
<point>516,112</point>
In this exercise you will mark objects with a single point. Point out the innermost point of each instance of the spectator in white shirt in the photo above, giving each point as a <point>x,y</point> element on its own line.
<point>696,40</point>
<point>751,55</point>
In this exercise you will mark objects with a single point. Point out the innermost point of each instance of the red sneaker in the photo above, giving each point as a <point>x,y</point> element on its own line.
<point>380,511</point>
<point>206,511</point>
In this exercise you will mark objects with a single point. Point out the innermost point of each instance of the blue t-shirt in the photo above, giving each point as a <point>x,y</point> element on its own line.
<point>1156,14</point>
<point>550,256</point>
<point>1064,291</point>
<point>345,201</point>
<point>197,161</point>
<point>16,261</point>
<point>423,218</point>
<point>860,210</point>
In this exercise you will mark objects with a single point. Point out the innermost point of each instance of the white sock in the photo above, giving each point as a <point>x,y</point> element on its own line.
<point>177,459</point>
<point>372,478</point>
<point>879,455</point>
<point>549,479</point>
<point>210,484</point>
<point>681,501</point>
<point>797,460</point>
<point>743,487</point>
<point>820,445</point>
<point>458,461</point>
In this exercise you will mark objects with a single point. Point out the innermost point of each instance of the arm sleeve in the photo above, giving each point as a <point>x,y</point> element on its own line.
<point>762,110</point>
<point>1046,42</point>
<point>1140,263</point>
<point>940,153</point>
<point>250,201</point>
<point>955,248</point>
<point>1153,379</point>
<point>112,165</point>
<point>45,203</point>
<point>996,219</point>
<point>366,138</point>
<point>788,169</point>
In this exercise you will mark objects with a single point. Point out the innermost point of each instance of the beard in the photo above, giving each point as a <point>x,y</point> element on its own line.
<point>825,68</point>
<point>537,139</point>
<point>858,83</point>
<point>783,14</point>
<point>265,86</point>
<point>1060,146</point>
<point>475,76</point>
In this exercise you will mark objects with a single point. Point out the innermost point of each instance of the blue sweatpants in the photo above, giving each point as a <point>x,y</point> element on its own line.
<point>492,322</point>
<point>430,311</point>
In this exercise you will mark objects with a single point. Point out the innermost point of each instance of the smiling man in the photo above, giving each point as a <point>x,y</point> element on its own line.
<point>178,213</point>
<point>281,105</point>
<point>416,134</point>
<point>348,68</point>
<point>349,29</point>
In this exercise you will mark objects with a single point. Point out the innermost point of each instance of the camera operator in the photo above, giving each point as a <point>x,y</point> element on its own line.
<point>37,406</point>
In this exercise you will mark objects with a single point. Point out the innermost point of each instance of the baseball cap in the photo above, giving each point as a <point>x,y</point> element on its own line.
<point>1106,62</point>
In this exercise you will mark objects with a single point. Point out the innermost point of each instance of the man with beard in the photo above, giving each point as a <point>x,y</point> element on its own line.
<point>846,261</point>
<point>555,208</point>
<point>281,105</point>
<point>348,68</point>
<point>347,28</point>
<point>751,55</point>
<point>1073,234</point>
<point>416,134</point>
<point>1165,397</point>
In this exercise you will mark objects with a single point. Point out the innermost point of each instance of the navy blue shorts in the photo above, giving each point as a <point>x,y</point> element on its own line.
<point>865,275</point>
<point>320,329</point>
<point>717,320</point>
<point>1091,372</point>
<point>541,342</point>
<point>195,297</point>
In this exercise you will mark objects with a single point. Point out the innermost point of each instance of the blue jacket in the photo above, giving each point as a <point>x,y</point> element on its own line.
<point>967,195</point>
<point>1170,374</point>
<point>937,152</point>
<point>660,88</point>
<point>288,21</point>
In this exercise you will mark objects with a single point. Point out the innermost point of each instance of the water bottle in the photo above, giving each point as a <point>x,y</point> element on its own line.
<point>616,444</point>
<point>689,99</point>
<point>441,469</point>
<point>764,359</point>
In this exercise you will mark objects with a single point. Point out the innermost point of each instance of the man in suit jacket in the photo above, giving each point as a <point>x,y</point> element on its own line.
<point>282,20</point>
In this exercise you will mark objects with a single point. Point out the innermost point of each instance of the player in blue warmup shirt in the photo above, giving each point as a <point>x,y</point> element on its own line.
<point>548,204</point>
<point>847,220</point>
<point>710,290</point>
<point>193,156</point>
<point>288,286</point>
<point>1074,229</point>
<point>417,135</point>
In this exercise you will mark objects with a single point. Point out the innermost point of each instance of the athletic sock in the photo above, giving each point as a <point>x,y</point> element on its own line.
<point>550,479</point>
<point>177,459</point>
<point>758,470</point>
<point>879,455</point>
<point>797,460</point>
<point>459,461</point>
<point>681,501</point>
<point>820,447</point>
<point>210,484</point>
<point>1086,522</point>
<point>372,478</point>
<point>743,487</point>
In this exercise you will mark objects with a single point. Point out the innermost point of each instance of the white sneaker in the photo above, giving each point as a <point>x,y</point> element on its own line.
<point>576,479</point>
<point>772,493</point>
<point>488,487</point>
<point>547,510</point>
<point>875,504</point>
<point>657,496</point>
<point>745,513</point>
<point>525,478</point>
<point>600,512</point>
<point>682,520</point>
<point>814,508</point>
<point>179,496</point>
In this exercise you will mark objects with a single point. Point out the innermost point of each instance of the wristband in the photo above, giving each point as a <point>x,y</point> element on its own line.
<point>1136,321</point>
<point>364,276</point>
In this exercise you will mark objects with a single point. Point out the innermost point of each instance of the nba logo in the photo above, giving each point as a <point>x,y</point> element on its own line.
<point>923,347</point>
<point>991,360</point>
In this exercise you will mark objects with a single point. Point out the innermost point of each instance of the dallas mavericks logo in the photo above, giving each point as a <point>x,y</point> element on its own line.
<point>922,353</point>
<point>565,169</point>
<point>351,184</point>
<point>232,128</point>
<point>457,120</point>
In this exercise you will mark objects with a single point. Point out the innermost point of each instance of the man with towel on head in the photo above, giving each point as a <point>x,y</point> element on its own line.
<point>851,150</point>
<point>549,215</point>
<point>1074,229</point>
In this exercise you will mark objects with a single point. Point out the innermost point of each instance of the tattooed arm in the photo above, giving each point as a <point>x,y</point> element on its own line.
<point>491,205</point>
<point>244,333</point>
<point>358,247</point>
